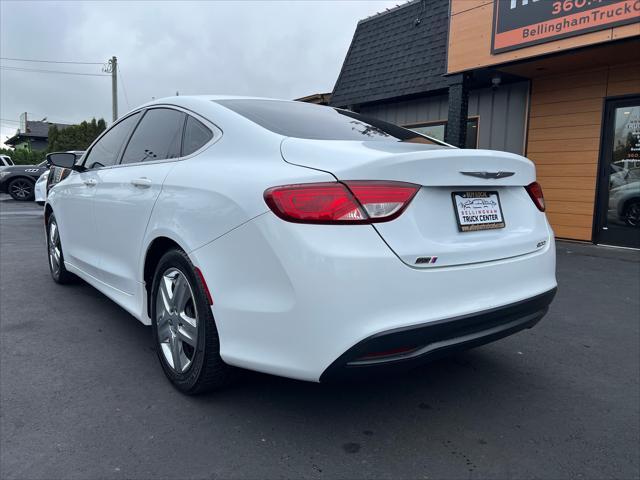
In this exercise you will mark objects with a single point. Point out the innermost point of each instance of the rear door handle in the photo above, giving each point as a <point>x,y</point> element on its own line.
<point>141,182</point>
<point>90,182</point>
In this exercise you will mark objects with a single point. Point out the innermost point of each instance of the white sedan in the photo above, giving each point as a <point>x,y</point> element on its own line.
<point>300,240</point>
<point>41,188</point>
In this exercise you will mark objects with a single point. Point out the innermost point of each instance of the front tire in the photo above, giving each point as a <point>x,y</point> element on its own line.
<point>58,271</point>
<point>183,327</point>
<point>21,189</point>
<point>631,214</point>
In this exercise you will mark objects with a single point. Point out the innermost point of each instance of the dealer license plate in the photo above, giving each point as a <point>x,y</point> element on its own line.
<point>477,210</point>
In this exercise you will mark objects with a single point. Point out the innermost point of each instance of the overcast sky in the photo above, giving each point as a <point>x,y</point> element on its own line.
<point>275,49</point>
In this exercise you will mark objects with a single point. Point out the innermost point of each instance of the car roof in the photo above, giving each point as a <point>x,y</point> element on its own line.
<point>184,100</point>
<point>206,106</point>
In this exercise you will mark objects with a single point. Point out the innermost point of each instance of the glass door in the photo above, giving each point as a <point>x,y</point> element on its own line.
<point>618,202</point>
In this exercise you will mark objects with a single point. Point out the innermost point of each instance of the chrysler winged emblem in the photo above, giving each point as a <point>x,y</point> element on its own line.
<point>487,175</point>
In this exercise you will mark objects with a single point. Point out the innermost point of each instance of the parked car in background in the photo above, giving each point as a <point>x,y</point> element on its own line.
<point>299,240</point>
<point>5,161</point>
<point>624,204</point>
<point>50,177</point>
<point>58,174</point>
<point>41,188</point>
<point>19,180</point>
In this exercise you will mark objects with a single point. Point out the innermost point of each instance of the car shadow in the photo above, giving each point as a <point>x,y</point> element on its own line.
<point>481,379</point>
<point>449,379</point>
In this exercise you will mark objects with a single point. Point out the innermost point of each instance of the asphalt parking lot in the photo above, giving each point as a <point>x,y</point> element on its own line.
<point>83,396</point>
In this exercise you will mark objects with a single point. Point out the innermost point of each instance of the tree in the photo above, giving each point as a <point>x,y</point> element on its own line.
<point>23,156</point>
<point>75,137</point>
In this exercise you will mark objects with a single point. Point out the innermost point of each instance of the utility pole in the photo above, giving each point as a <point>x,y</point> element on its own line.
<point>112,68</point>
<point>114,87</point>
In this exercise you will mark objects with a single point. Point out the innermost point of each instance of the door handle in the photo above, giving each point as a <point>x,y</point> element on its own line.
<point>141,182</point>
<point>90,182</point>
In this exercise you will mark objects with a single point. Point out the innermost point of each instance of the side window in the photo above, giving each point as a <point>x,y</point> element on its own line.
<point>158,137</point>
<point>195,136</point>
<point>105,152</point>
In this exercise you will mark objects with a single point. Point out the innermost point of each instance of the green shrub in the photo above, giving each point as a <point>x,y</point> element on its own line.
<point>74,137</point>
<point>22,156</point>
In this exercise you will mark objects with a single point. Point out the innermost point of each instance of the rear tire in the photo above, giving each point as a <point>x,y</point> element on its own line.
<point>21,189</point>
<point>59,272</point>
<point>183,327</point>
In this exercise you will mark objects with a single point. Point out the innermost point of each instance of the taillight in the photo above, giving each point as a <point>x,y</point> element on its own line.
<point>337,203</point>
<point>535,192</point>
<point>383,201</point>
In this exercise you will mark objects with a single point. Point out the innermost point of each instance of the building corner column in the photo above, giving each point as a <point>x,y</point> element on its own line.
<point>456,131</point>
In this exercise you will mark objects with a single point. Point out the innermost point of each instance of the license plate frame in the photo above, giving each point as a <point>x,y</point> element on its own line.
<point>481,201</point>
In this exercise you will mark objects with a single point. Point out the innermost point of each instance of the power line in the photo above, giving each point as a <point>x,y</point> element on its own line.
<point>49,61</point>
<point>7,120</point>
<point>124,90</point>
<point>36,70</point>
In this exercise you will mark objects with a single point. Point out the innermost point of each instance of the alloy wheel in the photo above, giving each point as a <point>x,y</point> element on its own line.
<point>176,320</point>
<point>20,189</point>
<point>54,248</point>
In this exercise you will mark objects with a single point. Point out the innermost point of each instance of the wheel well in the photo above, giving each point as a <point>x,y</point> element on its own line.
<point>24,177</point>
<point>47,213</point>
<point>156,250</point>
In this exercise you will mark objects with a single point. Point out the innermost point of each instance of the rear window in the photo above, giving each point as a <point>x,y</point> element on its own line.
<point>315,122</point>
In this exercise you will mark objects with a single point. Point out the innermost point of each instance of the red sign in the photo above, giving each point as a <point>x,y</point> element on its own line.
<point>521,23</point>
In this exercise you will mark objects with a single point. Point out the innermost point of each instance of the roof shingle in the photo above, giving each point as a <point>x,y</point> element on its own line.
<point>38,128</point>
<point>393,55</point>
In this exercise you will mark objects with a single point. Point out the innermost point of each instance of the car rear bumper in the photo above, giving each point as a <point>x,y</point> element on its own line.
<point>291,299</point>
<point>409,347</point>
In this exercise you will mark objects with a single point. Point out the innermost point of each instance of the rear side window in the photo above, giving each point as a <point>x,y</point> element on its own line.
<point>157,137</point>
<point>196,135</point>
<point>105,152</point>
<point>315,122</point>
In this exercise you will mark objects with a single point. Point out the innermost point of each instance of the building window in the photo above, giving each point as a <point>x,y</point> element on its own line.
<point>438,130</point>
<point>433,130</point>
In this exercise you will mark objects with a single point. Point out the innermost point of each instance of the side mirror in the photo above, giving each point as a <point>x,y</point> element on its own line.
<point>62,159</point>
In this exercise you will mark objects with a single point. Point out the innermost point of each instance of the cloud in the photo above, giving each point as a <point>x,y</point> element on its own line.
<point>283,49</point>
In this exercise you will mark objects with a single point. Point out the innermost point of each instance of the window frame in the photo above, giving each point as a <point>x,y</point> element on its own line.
<point>433,123</point>
<point>217,135</point>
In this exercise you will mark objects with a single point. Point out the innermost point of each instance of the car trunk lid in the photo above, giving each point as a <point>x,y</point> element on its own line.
<point>429,233</point>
